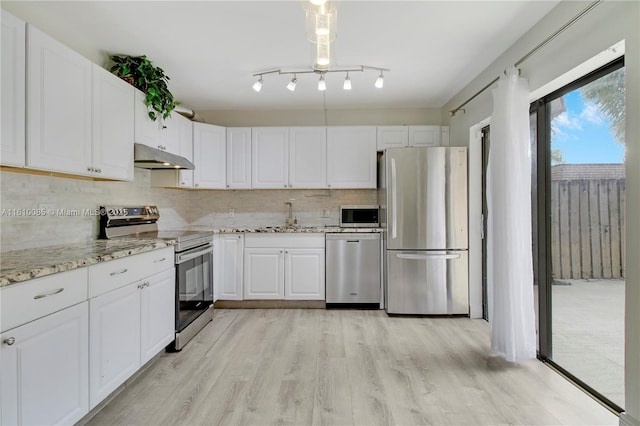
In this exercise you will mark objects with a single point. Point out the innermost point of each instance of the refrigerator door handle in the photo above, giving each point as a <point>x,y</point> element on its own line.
<point>412,256</point>
<point>394,200</point>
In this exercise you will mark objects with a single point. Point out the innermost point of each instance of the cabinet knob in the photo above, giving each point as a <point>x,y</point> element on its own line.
<point>285,185</point>
<point>89,169</point>
<point>99,170</point>
<point>227,186</point>
<point>182,183</point>
<point>197,184</point>
<point>280,251</point>
<point>9,341</point>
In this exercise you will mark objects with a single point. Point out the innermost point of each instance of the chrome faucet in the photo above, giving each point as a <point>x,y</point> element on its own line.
<point>291,221</point>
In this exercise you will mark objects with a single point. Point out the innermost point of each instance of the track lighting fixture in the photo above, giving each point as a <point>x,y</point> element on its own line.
<point>292,84</point>
<point>347,82</point>
<point>257,86</point>
<point>322,85</point>
<point>379,81</point>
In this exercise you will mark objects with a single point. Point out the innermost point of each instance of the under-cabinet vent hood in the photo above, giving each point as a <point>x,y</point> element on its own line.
<point>147,157</point>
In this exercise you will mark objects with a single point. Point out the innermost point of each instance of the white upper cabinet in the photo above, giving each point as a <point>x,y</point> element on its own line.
<point>424,135</point>
<point>351,157</point>
<point>392,137</point>
<point>269,157</point>
<point>209,156</point>
<point>170,133</point>
<point>58,106</point>
<point>112,126</point>
<point>147,132</point>
<point>444,136</point>
<point>239,157</point>
<point>307,157</point>
<point>12,149</point>
<point>185,148</point>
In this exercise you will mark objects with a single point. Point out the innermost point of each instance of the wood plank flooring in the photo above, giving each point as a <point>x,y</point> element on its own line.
<point>345,367</point>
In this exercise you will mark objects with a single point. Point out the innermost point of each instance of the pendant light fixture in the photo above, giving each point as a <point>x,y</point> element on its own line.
<point>321,29</point>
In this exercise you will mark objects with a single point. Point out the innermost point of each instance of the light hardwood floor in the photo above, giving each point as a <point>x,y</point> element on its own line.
<point>345,367</point>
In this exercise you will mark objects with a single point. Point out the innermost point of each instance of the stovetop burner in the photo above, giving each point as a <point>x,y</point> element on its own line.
<point>141,222</point>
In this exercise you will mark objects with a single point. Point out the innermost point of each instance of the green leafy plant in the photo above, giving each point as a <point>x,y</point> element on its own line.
<point>139,71</point>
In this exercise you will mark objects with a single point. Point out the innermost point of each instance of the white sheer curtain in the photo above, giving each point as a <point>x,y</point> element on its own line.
<point>509,257</point>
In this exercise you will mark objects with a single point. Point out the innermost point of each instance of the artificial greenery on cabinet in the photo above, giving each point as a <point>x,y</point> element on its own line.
<point>141,73</point>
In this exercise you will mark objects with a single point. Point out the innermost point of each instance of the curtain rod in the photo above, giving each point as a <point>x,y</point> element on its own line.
<point>530,53</point>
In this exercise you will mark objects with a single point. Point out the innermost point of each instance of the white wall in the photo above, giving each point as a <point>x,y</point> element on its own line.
<point>604,26</point>
<point>317,117</point>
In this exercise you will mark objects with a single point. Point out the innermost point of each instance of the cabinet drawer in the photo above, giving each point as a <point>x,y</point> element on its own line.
<point>33,299</point>
<point>288,240</point>
<point>114,274</point>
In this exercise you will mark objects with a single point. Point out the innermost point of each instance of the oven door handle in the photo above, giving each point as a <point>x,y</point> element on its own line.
<point>184,257</point>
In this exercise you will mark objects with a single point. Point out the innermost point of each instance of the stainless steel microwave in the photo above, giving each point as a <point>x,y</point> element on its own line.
<point>359,216</point>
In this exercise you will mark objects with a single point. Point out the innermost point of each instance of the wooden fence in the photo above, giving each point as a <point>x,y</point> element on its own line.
<point>587,228</point>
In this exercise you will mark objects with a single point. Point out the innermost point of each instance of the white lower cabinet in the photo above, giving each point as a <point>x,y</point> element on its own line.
<point>284,266</point>
<point>228,266</point>
<point>115,340</point>
<point>264,273</point>
<point>45,367</point>
<point>131,315</point>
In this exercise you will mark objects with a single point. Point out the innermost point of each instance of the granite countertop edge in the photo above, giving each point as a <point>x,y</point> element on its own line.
<point>23,265</point>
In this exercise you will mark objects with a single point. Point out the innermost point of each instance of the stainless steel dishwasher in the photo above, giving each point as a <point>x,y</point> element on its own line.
<point>353,268</point>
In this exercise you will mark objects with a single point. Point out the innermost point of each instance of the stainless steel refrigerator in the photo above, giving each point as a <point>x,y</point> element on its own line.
<point>423,202</point>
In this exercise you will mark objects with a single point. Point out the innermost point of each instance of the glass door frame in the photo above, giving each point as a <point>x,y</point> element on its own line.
<point>541,215</point>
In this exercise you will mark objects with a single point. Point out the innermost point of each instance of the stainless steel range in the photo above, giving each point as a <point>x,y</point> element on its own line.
<point>193,263</point>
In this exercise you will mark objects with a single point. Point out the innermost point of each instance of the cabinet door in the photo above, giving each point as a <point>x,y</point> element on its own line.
<point>209,156</point>
<point>424,135</point>
<point>170,133</point>
<point>114,340</point>
<point>112,126</point>
<point>239,157</point>
<point>392,137</point>
<point>263,273</point>
<point>308,157</point>
<point>185,142</point>
<point>45,372</point>
<point>12,148</point>
<point>304,274</point>
<point>229,267</point>
<point>269,157</point>
<point>147,132</point>
<point>58,106</point>
<point>351,157</point>
<point>444,135</point>
<point>157,313</point>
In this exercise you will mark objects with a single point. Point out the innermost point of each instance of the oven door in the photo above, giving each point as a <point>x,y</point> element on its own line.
<point>194,283</point>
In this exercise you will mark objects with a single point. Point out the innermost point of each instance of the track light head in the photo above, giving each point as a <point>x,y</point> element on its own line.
<point>347,82</point>
<point>257,86</point>
<point>322,85</point>
<point>379,81</point>
<point>292,84</point>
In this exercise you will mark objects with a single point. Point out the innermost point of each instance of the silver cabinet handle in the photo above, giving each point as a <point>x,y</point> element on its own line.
<point>99,170</point>
<point>9,341</point>
<point>51,293</point>
<point>119,272</point>
<point>160,260</point>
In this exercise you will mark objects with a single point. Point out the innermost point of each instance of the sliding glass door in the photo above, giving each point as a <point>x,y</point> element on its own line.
<point>580,227</point>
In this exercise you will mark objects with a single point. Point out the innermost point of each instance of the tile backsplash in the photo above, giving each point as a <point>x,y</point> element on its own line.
<point>71,205</point>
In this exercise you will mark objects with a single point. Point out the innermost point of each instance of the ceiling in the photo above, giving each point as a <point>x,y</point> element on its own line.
<point>210,49</point>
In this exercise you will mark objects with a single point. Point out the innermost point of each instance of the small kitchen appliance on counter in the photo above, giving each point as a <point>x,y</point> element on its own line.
<point>193,263</point>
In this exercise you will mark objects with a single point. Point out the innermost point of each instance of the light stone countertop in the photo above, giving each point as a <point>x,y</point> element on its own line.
<point>22,265</point>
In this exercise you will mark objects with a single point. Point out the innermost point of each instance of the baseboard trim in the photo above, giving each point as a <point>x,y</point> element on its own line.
<point>627,420</point>
<point>269,304</point>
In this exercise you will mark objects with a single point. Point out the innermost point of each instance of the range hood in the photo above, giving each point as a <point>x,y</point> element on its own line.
<point>147,157</point>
